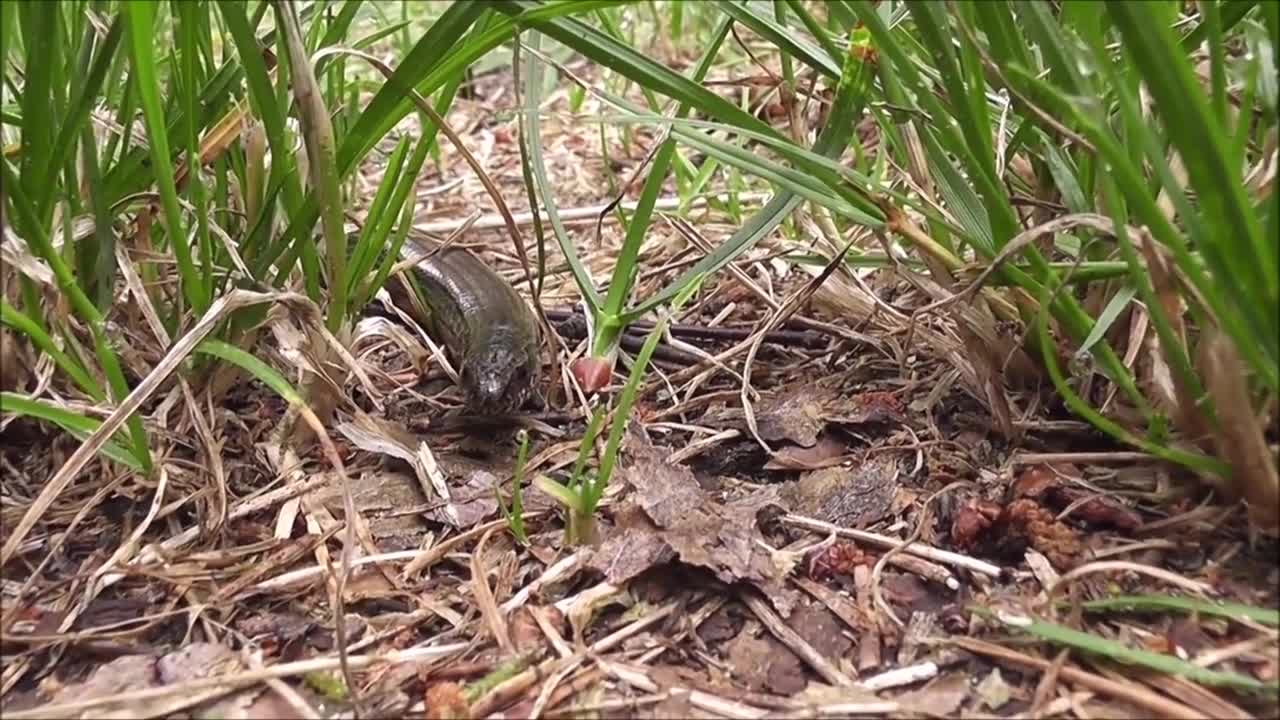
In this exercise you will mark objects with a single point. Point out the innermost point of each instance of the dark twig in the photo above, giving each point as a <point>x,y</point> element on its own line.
<point>802,338</point>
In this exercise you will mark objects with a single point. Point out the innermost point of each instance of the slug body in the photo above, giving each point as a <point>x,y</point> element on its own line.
<point>485,326</point>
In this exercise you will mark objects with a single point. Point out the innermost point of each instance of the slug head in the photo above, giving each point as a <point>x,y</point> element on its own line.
<point>497,376</point>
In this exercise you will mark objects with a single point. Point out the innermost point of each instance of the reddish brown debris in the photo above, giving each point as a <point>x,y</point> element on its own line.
<point>988,529</point>
<point>837,559</point>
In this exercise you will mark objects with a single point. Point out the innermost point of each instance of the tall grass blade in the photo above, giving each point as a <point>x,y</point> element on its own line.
<point>140,17</point>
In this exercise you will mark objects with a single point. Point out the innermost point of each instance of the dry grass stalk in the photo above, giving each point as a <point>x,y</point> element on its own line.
<point>798,645</point>
<point>938,555</point>
<point>1200,588</point>
<point>231,681</point>
<point>1123,690</point>
<point>1240,436</point>
<point>230,302</point>
<point>483,596</point>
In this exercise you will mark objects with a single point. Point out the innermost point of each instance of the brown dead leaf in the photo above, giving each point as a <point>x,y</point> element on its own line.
<point>1098,511</point>
<point>277,633</point>
<point>987,528</point>
<point>141,672</point>
<point>851,497</point>
<point>796,416</point>
<point>764,664</point>
<point>122,675</point>
<point>1034,482</point>
<point>870,407</point>
<point>241,706</point>
<point>723,624</point>
<point>197,660</point>
<point>475,499</point>
<point>1186,638</point>
<point>822,629</point>
<point>940,697</point>
<point>634,545</point>
<point>827,452</point>
<point>1040,483</point>
<point>692,526</point>
<point>381,498</point>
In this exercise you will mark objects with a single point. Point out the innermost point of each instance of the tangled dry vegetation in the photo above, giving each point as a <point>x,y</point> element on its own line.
<point>843,491</point>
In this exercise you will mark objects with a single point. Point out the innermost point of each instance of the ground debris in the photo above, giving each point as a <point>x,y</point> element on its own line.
<point>856,496</point>
<point>671,517</point>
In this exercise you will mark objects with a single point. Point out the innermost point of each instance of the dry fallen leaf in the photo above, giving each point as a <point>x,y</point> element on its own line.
<point>851,497</point>
<point>679,520</point>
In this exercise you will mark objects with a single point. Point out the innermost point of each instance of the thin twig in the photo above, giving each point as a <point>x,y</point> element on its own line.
<point>945,557</point>
<point>232,681</point>
<point>1130,692</point>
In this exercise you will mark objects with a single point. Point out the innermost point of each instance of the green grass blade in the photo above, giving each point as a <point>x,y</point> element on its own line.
<point>1231,14</point>
<point>42,38</point>
<point>635,66</point>
<point>389,104</point>
<point>1077,405</point>
<point>253,366</point>
<point>593,491</point>
<point>367,245</point>
<point>80,426</point>
<point>262,100</point>
<point>24,213</point>
<point>625,268</point>
<point>850,98</point>
<point>789,43</point>
<point>538,168</point>
<point>1201,140</point>
<point>192,23</point>
<point>1161,603</point>
<point>140,17</point>
<point>317,131</point>
<point>74,122</point>
<point>23,323</point>
<point>1093,644</point>
<point>1107,318</point>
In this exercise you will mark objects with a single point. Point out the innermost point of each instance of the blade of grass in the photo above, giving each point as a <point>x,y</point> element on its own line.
<point>789,43</point>
<point>42,40</point>
<point>78,425</point>
<point>284,176</point>
<point>1200,138</point>
<point>192,22</point>
<point>634,65</point>
<point>538,168</point>
<point>1161,603</point>
<point>73,124</point>
<point>140,19</point>
<point>625,267</point>
<point>1094,644</point>
<point>594,490</point>
<point>850,98</point>
<point>1077,405</point>
<point>247,362</point>
<point>23,211</point>
<point>322,162</point>
<point>23,323</point>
